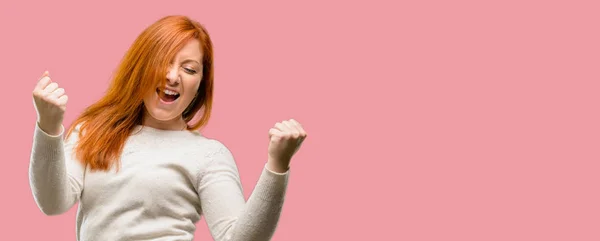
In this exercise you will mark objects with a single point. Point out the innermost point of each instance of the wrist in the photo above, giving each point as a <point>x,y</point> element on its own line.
<point>50,129</point>
<point>279,166</point>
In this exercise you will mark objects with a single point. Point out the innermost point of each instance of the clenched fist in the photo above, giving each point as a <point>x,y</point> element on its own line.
<point>285,140</point>
<point>50,103</point>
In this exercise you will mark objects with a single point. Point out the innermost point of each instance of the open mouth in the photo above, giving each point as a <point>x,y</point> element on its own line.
<point>167,95</point>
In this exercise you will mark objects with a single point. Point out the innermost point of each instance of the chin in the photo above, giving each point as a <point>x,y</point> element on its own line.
<point>162,115</point>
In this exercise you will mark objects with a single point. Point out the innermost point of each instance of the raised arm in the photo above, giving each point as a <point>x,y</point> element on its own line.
<point>228,216</point>
<point>56,179</point>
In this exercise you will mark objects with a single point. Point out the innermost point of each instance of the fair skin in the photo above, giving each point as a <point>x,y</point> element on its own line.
<point>183,80</point>
<point>164,107</point>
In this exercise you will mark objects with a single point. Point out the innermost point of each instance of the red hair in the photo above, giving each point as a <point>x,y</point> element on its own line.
<point>106,124</point>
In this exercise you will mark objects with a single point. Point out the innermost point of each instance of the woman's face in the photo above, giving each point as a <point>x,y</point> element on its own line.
<point>167,103</point>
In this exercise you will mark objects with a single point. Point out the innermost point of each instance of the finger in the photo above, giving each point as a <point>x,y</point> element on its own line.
<point>292,129</point>
<point>62,100</point>
<point>58,93</point>
<point>51,88</point>
<point>273,132</point>
<point>299,127</point>
<point>45,74</point>
<point>281,127</point>
<point>42,83</point>
<point>299,143</point>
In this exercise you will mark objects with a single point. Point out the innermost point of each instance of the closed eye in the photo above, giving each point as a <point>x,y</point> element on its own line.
<point>190,71</point>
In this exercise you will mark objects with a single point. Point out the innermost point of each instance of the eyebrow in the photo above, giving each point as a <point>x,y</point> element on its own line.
<point>191,60</point>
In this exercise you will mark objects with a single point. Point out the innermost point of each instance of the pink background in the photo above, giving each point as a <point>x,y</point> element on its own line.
<point>427,120</point>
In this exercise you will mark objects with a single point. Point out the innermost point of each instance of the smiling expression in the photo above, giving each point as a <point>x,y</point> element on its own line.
<point>184,75</point>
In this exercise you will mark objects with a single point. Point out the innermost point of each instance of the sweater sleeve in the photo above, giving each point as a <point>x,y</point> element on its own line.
<point>55,178</point>
<point>228,216</point>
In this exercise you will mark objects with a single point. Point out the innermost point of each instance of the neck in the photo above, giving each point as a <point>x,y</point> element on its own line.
<point>177,124</point>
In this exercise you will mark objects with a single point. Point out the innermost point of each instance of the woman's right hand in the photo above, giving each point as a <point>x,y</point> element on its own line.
<point>50,103</point>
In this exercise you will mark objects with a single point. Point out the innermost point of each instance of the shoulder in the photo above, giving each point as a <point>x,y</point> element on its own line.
<point>214,157</point>
<point>213,152</point>
<point>205,147</point>
<point>214,148</point>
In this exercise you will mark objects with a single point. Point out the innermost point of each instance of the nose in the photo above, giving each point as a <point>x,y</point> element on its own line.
<point>172,75</point>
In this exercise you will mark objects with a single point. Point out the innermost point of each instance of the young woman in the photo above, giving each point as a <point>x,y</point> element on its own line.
<point>138,167</point>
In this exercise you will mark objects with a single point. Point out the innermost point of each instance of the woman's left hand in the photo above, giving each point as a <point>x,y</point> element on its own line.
<point>285,140</point>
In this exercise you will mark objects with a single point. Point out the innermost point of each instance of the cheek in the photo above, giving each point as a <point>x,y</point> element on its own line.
<point>149,99</point>
<point>192,87</point>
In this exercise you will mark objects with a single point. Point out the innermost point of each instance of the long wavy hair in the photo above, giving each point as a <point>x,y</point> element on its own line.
<point>106,124</point>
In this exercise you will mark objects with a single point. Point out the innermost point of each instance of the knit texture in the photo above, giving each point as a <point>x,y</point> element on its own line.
<point>166,181</point>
